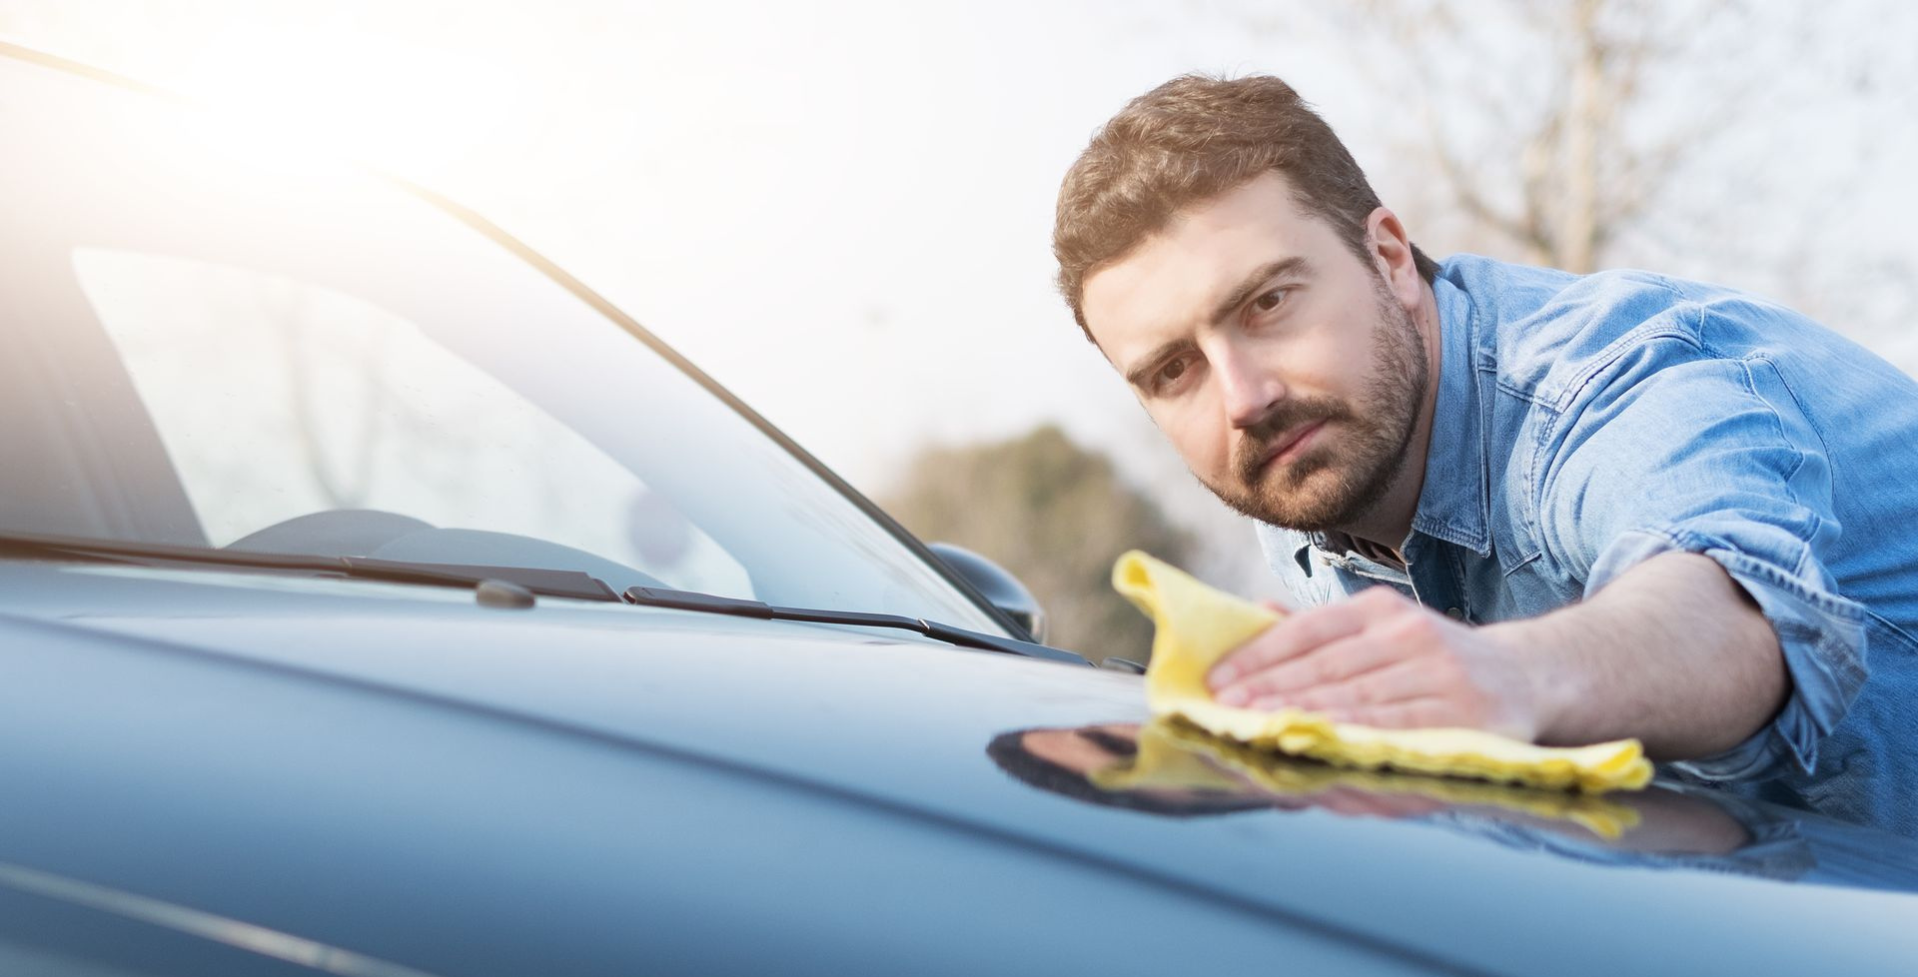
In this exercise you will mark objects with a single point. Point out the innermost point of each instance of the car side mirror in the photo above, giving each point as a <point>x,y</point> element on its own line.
<point>999,586</point>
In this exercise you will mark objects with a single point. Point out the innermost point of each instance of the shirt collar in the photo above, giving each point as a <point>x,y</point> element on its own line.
<point>1454,502</point>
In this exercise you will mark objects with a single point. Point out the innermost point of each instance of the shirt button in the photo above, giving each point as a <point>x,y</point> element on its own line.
<point>1455,614</point>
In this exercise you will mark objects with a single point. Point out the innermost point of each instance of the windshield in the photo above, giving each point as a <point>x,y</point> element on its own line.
<point>210,346</point>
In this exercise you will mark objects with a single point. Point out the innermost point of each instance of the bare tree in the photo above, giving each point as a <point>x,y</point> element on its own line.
<point>1684,135</point>
<point>1551,125</point>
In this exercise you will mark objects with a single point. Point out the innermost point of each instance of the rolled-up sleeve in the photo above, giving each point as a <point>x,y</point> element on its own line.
<point>1677,451</point>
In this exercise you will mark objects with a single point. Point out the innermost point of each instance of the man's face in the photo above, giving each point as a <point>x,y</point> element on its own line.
<point>1280,366</point>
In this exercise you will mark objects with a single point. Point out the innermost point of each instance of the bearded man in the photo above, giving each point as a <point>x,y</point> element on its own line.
<point>1564,508</point>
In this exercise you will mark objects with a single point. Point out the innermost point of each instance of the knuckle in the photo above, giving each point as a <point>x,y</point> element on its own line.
<point>1290,676</point>
<point>1325,699</point>
<point>1243,663</point>
<point>1381,717</point>
<point>1258,685</point>
<point>1416,627</point>
<point>1317,670</point>
<point>1271,703</point>
<point>1308,626</point>
<point>1263,637</point>
<point>1360,693</point>
<point>1424,623</point>
<point>1378,597</point>
<point>1258,651</point>
<point>1284,634</point>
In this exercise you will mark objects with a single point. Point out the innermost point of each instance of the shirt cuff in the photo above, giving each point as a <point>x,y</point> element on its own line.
<point>1822,636</point>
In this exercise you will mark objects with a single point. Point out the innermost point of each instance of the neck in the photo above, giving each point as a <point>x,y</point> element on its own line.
<point>1387,524</point>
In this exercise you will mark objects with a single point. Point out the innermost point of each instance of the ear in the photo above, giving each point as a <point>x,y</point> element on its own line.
<point>1391,251</point>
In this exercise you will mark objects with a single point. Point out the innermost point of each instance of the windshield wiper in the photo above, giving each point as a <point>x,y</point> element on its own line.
<point>556,583</point>
<point>688,600</point>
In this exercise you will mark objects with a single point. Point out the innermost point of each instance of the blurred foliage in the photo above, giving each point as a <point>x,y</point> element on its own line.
<point>1054,513</point>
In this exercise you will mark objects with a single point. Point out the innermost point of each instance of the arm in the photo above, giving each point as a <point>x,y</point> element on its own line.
<point>1666,471</point>
<point>1672,652</point>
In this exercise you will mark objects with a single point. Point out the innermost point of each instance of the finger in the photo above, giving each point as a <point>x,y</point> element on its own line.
<point>1424,713</point>
<point>1395,681</point>
<point>1304,630</point>
<point>1289,637</point>
<point>1330,664</point>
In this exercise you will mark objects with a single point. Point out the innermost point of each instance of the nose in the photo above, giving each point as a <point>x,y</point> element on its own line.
<point>1248,390</point>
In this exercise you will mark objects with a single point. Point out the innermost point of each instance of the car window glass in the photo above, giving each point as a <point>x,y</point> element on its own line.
<point>213,341</point>
<point>322,401</point>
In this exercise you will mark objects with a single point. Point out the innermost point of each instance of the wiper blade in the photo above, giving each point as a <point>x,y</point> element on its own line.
<point>576,584</point>
<point>556,583</point>
<point>689,600</point>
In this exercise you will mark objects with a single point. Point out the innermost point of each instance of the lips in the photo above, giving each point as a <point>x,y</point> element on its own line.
<point>1295,439</point>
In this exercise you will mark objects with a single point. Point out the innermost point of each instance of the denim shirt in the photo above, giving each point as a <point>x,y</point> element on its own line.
<point>1587,423</point>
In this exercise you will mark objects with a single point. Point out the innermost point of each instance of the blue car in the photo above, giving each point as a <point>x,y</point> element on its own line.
<point>377,600</point>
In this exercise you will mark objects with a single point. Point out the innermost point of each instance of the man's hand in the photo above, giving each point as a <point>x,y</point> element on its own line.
<point>1382,660</point>
<point>1673,652</point>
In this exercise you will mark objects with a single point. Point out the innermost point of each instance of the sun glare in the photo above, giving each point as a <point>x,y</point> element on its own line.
<point>413,109</point>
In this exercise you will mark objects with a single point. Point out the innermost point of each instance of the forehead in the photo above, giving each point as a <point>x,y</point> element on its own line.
<point>1171,281</point>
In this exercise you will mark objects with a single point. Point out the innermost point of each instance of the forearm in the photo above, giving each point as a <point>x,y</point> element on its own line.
<point>1673,652</point>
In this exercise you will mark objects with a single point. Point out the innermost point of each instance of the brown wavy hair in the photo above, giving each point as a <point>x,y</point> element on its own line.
<point>1191,139</point>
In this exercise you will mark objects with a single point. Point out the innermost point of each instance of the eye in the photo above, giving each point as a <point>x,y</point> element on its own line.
<point>1169,373</point>
<point>1269,301</point>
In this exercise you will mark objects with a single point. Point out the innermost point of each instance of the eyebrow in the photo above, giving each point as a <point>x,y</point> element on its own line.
<point>1250,286</point>
<point>1138,375</point>
<point>1294,265</point>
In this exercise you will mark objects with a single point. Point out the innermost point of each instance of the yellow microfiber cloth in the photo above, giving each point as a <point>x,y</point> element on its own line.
<point>1196,625</point>
<point>1173,753</point>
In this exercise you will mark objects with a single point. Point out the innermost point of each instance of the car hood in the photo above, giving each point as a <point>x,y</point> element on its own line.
<point>904,722</point>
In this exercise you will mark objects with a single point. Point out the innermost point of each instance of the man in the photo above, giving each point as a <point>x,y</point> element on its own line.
<point>1568,509</point>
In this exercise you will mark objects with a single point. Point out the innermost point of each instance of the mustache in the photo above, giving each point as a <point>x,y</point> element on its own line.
<point>1258,440</point>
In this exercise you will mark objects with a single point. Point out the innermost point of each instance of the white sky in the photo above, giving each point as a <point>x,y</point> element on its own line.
<point>841,210</point>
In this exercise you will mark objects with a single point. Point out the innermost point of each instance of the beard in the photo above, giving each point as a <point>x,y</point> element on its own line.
<point>1336,481</point>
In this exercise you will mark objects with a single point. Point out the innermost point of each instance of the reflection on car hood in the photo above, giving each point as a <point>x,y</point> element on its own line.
<point>906,723</point>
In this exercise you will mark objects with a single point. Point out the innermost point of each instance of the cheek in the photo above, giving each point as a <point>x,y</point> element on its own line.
<point>1198,430</point>
<point>1324,363</point>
